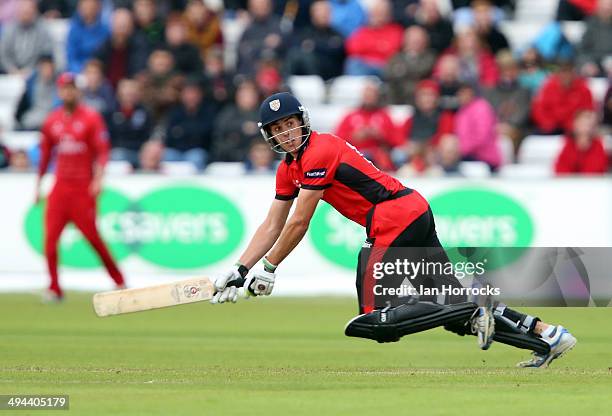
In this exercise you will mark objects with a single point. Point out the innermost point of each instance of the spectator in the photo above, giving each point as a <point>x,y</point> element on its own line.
<point>510,100</point>
<point>262,37</point>
<point>607,109</point>
<point>464,13</point>
<point>188,137</point>
<point>370,128</point>
<point>414,63</point>
<point>8,11</point>
<point>317,49</point>
<point>404,10</point>
<point>596,42</point>
<point>561,96</point>
<point>96,91</point>
<point>23,41</point>
<point>39,97</point>
<point>151,155</point>
<point>147,23</point>
<point>130,125</point>
<point>203,26</point>
<point>125,53</point>
<point>187,58</point>
<point>371,47</point>
<point>439,29</point>
<point>442,160</point>
<point>160,84</point>
<point>220,80</point>
<point>423,130</point>
<point>476,64</point>
<point>475,127</point>
<point>347,16</point>
<point>5,156</point>
<point>55,9</point>
<point>294,14</point>
<point>86,34</point>
<point>583,152</point>
<point>448,80</point>
<point>260,159</point>
<point>532,74</point>
<point>236,126</point>
<point>575,9</point>
<point>268,78</point>
<point>19,161</point>
<point>486,28</point>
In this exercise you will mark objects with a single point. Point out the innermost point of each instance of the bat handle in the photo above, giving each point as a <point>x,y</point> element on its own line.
<point>237,282</point>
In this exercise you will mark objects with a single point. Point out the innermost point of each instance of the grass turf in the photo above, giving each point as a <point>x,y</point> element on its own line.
<point>280,356</point>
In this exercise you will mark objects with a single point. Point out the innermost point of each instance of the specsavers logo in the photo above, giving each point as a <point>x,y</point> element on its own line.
<point>179,227</point>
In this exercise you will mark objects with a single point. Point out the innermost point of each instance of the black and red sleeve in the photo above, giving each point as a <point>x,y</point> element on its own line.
<point>285,188</point>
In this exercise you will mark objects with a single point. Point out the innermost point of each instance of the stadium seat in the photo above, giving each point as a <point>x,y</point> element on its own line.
<point>11,88</point>
<point>347,89</point>
<point>521,34</point>
<point>309,89</point>
<point>598,87</point>
<point>20,140</point>
<point>225,169</point>
<point>178,168</point>
<point>526,171</point>
<point>7,116</point>
<point>539,10</point>
<point>541,150</point>
<point>325,118</point>
<point>573,31</point>
<point>59,34</point>
<point>400,113</point>
<point>118,168</point>
<point>474,169</point>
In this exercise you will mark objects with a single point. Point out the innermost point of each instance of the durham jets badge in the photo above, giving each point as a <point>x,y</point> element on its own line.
<point>274,105</point>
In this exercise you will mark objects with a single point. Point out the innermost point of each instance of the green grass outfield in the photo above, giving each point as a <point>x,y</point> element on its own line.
<point>283,356</point>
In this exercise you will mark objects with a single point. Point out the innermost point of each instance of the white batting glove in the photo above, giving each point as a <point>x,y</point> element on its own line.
<point>261,282</point>
<point>227,284</point>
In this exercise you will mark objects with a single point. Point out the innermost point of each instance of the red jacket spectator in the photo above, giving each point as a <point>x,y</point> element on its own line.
<point>559,99</point>
<point>375,45</point>
<point>587,6</point>
<point>371,130</point>
<point>583,151</point>
<point>445,126</point>
<point>592,160</point>
<point>476,64</point>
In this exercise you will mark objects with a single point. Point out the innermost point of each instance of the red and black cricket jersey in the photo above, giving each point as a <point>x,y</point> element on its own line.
<point>353,185</point>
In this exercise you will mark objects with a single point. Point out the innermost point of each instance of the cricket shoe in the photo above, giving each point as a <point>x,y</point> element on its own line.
<point>483,325</point>
<point>560,341</point>
<point>50,296</point>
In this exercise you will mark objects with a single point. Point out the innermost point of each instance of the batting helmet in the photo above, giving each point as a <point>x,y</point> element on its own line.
<point>277,107</point>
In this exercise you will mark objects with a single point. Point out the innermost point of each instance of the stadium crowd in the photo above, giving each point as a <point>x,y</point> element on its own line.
<point>172,88</point>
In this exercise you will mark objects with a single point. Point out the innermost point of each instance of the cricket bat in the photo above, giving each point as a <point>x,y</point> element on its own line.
<point>180,292</point>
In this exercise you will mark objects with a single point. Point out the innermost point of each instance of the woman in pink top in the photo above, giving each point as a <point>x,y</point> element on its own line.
<point>475,126</point>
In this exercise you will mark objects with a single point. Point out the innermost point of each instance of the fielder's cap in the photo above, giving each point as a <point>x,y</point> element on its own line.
<point>428,84</point>
<point>65,79</point>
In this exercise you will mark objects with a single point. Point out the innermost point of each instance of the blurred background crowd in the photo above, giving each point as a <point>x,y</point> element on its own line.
<point>421,87</point>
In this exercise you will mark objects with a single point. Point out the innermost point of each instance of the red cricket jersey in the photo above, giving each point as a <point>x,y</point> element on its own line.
<point>353,185</point>
<point>79,138</point>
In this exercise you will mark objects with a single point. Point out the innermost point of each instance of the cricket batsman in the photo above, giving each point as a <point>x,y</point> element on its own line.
<point>78,136</point>
<point>320,166</point>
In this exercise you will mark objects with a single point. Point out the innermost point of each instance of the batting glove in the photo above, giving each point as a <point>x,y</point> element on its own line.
<point>227,284</point>
<point>261,281</point>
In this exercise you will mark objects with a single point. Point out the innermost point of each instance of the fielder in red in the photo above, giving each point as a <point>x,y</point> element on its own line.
<point>78,137</point>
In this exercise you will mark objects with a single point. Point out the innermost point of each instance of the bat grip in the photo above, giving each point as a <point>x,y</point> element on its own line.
<point>238,282</point>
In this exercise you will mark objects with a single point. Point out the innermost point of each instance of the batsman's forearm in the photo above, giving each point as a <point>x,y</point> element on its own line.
<point>261,242</point>
<point>292,234</point>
